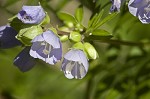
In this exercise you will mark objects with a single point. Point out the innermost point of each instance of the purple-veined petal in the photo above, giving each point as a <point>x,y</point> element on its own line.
<point>24,61</point>
<point>31,14</point>
<point>51,38</point>
<point>77,55</point>
<point>7,37</point>
<point>141,9</point>
<point>75,64</point>
<point>47,47</point>
<point>115,5</point>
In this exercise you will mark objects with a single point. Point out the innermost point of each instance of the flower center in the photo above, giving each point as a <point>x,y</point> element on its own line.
<point>47,48</point>
<point>27,17</point>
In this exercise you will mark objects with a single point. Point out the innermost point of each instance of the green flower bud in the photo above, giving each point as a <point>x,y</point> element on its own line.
<point>69,24</point>
<point>64,29</point>
<point>75,36</point>
<point>79,27</point>
<point>90,50</point>
<point>78,45</point>
<point>64,38</point>
<point>27,34</point>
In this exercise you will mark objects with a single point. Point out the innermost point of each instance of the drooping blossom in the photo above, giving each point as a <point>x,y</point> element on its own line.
<point>47,47</point>
<point>140,9</point>
<point>24,61</point>
<point>31,14</point>
<point>7,37</point>
<point>75,64</point>
<point>116,4</point>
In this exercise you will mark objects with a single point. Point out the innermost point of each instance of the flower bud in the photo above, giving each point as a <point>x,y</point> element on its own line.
<point>91,52</point>
<point>75,36</point>
<point>27,34</point>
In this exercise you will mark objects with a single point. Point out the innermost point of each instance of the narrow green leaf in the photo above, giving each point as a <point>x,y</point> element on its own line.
<point>100,32</point>
<point>66,17</point>
<point>91,21</point>
<point>97,19</point>
<point>106,19</point>
<point>98,35</point>
<point>79,13</point>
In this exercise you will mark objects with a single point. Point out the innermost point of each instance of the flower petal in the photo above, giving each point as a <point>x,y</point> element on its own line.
<point>24,61</point>
<point>7,37</point>
<point>47,47</point>
<point>75,64</point>
<point>31,14</point>
<point>77,55</point>
<point>51,38</point>
<point>140,8</point>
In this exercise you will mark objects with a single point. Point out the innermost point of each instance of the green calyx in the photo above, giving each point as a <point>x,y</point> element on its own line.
<point>87,48</point>
<point>46,20</point>
<point>27,34</point>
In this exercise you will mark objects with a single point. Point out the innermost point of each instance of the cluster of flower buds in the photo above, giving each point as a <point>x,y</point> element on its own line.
<point>27,29</point>
<point>138,8</point>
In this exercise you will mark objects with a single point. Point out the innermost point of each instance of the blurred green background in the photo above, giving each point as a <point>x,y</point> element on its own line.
<point>121,72</point>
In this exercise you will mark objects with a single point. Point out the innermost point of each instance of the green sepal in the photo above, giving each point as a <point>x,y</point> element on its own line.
<point>78,45</point>
<point>75,36</point>
<point>79,13</point>
<point>91,51</point>
<point>13,17</point>
<point>27,34</point>
<point>46,20</point>
<point>54,30</point>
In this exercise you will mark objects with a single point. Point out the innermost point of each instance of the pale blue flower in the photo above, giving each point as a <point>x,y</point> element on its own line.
<point>31,14</point>
<point>7,37</point>
<point>75,64</point>
<point>47,47</point>
<point>140,9</point>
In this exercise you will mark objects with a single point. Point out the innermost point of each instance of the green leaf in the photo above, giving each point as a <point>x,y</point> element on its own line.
<point>95,20</point>
<point>100,32</point>
<point>106,19</point>
<point>98,35</point>
<point>66,17</point>
<point>90,50</point>
<point>79,13</point>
